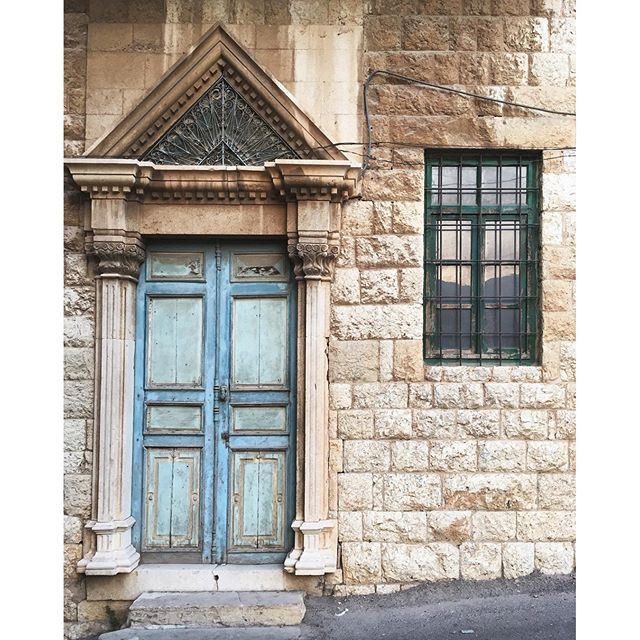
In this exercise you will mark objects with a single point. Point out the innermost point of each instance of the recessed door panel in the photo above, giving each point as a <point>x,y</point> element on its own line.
<point>175,342</point>
<point>173,418</point>
<point>256,419</point>
<point>258,500</point>
<point>260,342</point>
<point>172,490</point>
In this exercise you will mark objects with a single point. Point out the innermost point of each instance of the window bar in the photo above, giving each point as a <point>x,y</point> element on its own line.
<point>498,251</point>
<point>522,290</point>
<point>524,260</point>
<point>438,268</point>
<point>476,268</point>
<point>459,269</point>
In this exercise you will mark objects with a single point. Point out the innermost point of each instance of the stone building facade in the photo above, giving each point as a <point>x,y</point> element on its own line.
<point>433,472</point>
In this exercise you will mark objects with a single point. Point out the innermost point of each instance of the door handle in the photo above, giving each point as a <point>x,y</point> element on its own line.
<point>223,393</point>
<point>225,436</point>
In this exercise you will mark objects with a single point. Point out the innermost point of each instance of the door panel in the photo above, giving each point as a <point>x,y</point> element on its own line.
<point>258,500</point>
<point>173,498</point>
<point>250,419</point>
<point>175,342</point>
<point>259,342</point>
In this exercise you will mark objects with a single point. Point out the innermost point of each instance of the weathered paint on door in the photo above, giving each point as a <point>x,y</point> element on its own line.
<point>214,413</point>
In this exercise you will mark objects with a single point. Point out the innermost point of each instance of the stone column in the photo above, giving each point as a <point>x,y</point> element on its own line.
<point>314,253</point>
<point>114,187</point>
<point>116,280</point>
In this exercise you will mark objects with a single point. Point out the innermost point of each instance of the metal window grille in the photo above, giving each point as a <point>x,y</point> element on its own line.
<point>481,258</point>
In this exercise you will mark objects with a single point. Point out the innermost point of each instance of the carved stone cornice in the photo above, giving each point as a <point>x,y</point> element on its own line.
<point>109,178</point>
<point>118,257</point>
<point>316,180</point>
<point>329,180</point>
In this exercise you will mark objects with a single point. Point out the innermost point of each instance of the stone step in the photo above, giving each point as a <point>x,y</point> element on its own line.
<point>210,633</point>
<point>217,608</point>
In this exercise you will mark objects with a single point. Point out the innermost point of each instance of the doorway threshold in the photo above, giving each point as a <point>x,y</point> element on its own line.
<point>198,577</point>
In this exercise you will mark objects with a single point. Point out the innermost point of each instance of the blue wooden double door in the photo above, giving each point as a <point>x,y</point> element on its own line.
<point>214,438</point>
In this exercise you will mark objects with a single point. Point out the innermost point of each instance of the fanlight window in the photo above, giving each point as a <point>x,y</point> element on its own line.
<point>220,129</point>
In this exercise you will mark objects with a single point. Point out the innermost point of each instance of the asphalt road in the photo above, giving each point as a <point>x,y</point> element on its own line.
<point>533,608</point>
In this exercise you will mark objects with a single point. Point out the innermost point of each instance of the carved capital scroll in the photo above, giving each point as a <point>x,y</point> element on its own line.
<point>118,258</point>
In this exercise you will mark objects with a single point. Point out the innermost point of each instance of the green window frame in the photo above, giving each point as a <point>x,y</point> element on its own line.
<point>481,261</point>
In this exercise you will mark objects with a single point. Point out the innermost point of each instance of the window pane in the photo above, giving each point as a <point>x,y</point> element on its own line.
<point>454,328</point>
<point>509,175</point>
<point>500,282</point>
<point>501,328</point>
<point>453,240</point>
<point>435,185</point>
<point>435,178</point>
<point>449,177</point>
<point>469,177</point>
<point>523,177</point>
<point>502,240</point>
<point>450,198</point>
<point>454,283</point>
<point>490,178</point>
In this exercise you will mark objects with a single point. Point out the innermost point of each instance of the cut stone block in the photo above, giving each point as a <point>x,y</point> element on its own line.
<point>217,608</point>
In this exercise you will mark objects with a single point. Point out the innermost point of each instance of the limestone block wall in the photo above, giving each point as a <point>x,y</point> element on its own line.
<point>453,472</point>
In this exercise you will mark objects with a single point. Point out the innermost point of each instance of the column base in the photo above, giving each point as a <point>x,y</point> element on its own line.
<point>318,555</point>
<point>109,563</point>
<point>114,552</point>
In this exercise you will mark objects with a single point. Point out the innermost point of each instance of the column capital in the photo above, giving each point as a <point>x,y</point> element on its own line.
<point>313,260</point>
<point>117,255</point>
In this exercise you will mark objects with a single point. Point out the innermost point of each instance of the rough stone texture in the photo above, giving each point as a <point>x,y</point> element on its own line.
<point>412,492</point>
<point>490,491</point>
<point>494,526</point>
<point>480,560</point>
<point>449,526</point>
<point>453,456</point>
<point>517,559</point>
<point>546,525</point>
<point>547,456</point>
<point>480,443</point>
<point>362,562</point>
<point>502,455</point>
<point>554,557</point>
<point>394,526</point>
<point>409,562</point>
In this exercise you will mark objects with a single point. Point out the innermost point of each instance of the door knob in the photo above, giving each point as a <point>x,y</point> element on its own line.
<point>223,393</point>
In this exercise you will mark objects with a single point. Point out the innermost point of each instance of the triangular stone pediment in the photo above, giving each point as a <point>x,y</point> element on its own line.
<point>216,106</point>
